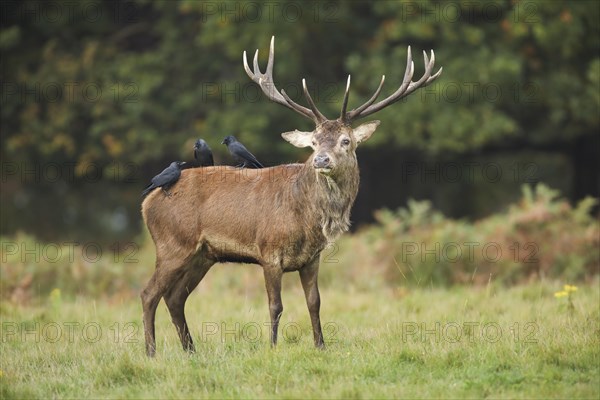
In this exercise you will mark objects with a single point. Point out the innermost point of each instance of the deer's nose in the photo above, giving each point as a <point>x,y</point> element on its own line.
<point>321,161</point>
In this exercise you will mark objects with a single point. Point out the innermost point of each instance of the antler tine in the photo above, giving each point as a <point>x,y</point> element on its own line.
<point>271,57</point>
<point>406,88</point>
<point>351,115</point>
<point>408,75</point>
<point>435,76</point>
<point>320,117</point>
<point>297,107</point>
<point>265,81</point>
<point>247,68</point>
<point>343,114</point>
<point>255,63</point>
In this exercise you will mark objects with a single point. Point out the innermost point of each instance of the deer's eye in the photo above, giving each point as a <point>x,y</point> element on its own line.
<point>346,142</point>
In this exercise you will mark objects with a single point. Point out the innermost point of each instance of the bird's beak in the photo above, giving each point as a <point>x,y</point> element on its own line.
<point>223,142</point>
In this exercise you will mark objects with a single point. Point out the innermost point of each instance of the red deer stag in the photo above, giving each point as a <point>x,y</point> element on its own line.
<point>280,217</point>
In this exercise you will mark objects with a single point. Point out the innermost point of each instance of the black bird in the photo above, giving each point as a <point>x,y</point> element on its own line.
<point>165,179</point>
<point>240,153</point>
<point>203,154</point>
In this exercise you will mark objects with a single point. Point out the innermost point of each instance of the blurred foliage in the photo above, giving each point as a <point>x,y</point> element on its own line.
<point>33,270</point>
<point>539,237</point>
<point>133,83</point>
<point>135,80</point>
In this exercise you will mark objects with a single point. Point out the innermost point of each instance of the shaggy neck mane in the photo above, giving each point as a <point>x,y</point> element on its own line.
<point>332,198</point>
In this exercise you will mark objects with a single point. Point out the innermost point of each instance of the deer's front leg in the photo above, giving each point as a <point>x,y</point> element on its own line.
<point>309,277</point>
<point>273,276</point>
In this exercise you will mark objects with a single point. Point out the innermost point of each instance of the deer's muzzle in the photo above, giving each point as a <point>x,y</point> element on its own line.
<point>322,161</point>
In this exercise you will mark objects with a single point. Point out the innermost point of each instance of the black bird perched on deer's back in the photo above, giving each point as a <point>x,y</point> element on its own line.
<point>240,153</point>
<point>203,154</point>
<point>165,179</point>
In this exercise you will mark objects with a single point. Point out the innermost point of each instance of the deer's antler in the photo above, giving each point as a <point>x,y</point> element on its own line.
<point>265,81</point>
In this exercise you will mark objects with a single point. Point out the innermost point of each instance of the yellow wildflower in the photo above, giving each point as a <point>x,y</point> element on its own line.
<point>561,294</point>
<point>55,294</point>
<point>570,288</point>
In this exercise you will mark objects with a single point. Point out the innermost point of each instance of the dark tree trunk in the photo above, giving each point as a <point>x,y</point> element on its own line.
<point>585,155</point>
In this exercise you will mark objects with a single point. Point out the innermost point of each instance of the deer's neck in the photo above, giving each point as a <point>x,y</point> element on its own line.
<point>328,199</point>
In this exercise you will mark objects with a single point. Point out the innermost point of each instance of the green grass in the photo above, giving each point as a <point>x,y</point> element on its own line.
<point>519,342</point>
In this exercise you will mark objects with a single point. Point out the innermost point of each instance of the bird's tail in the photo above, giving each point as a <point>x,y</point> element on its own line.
<point>254,164</point>
<point>147,190</point>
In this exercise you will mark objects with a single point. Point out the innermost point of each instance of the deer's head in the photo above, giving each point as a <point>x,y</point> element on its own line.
<point>334,141</point>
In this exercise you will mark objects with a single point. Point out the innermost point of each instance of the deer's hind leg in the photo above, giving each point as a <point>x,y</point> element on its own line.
<point>164,278</point>
<point>177,295</point>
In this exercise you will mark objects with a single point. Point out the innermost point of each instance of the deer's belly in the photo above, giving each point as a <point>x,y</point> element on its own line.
<point>289,252</point>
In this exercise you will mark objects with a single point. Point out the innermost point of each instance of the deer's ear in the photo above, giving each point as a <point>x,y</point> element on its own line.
<point>298,138</point>
<point>365,131</point>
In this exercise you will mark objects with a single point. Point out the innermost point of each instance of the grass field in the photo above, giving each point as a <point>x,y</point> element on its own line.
<point>463,342</point>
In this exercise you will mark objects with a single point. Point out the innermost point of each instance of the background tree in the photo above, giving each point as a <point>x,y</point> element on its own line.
<point>117,90</point>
